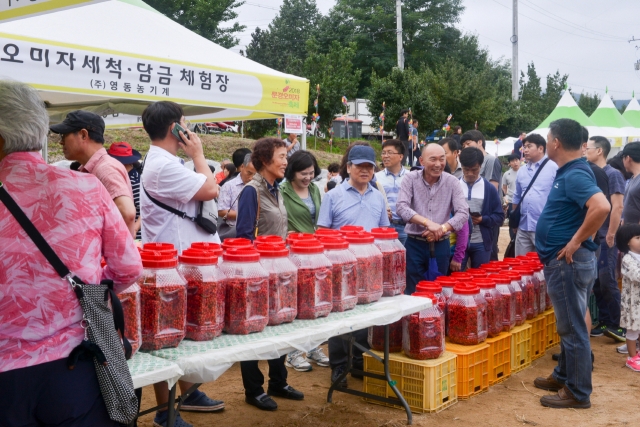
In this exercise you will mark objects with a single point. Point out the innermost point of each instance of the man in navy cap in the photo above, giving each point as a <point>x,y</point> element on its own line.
<point>82,139</point>
<point>354,202</point>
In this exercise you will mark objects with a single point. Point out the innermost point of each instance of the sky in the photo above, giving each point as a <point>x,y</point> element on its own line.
<point>587,39</point>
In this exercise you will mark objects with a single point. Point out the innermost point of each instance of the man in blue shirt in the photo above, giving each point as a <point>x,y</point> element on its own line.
<point>354,202</point>
<point>575,210</point>
<point>391,178</point>
<point>534,153</point>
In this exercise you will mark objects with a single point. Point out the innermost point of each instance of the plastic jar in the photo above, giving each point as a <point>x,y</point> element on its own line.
<point>235,243</point>
<point>528,291</point>
<point>394,261</point>
<point>344,288</point>
<point>130,300</point>
<point>516,284</point>
<point>247,292</point>
<point>467,316</point>
<point>434,289</point>
<point>423,332</point>
<point>507,292</point>
<point>539,283</point>
<point>163,301</point>
<point>447,284</point>
<point>315,279</point>
<point>375,337</point>
<point>205,294</point>
<point>495,305</point>
<point>369,266</point>
<point>283,282</point>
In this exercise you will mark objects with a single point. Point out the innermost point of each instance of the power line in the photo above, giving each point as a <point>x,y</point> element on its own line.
<point>262,6</point>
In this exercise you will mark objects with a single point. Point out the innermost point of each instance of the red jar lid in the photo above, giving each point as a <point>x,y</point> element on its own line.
<point>307,247</point>
<point>236,242</point>
<point>156,259</point>
<point>158,246</point>
<point>209,247</point>
<point>465,290</point>
<point>460,276</point>
<point>479,274</point>
<point>523,270</point>
<point>198,257</point>
<point>425,286</point>
<point>533,255</point>
<point>333,243</point>
<point>271,240</point>
<point>492,269</point>
<point>512,261</point>
<point>359,238</point>
<point>350,228</point>
<point>294,237</point>
<point>502,279</point>
<point>271,250</point>
<point>386,233</point>
<point>446,281</point>
<point>485,283</point>
<point>242,254</point>
<point>513,275</point>
<point>327,232</point>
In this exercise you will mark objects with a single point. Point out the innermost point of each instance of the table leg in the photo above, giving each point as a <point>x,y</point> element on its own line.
<point>392,383</point>
<point>171,416</point>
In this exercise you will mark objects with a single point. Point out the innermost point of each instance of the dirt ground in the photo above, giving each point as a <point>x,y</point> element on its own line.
<point>513,402</point>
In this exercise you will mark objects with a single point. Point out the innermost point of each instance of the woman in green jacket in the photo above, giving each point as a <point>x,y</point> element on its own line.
<point>301,199</point>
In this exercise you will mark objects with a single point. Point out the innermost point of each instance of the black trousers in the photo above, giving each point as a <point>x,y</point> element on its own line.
<point>339,349</point>
<point>253,380</point>
<point>50,394</point>
<point>494,249</point>
<point>408,153</point>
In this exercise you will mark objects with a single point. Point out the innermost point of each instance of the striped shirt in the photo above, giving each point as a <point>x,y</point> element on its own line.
<point>134,177</point>
<point>391,184</point>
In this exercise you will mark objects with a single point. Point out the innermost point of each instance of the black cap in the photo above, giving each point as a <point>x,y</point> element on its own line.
<point>78,120</point>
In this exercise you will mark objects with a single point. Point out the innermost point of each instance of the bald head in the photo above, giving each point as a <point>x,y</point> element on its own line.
<point>433,160</point>
<point>432,149</point>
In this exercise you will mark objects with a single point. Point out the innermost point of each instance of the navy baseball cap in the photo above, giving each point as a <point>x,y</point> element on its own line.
<point>362,154</point>
<point>78,120</point>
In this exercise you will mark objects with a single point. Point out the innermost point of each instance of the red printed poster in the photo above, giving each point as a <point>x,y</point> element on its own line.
<point>292,124</point>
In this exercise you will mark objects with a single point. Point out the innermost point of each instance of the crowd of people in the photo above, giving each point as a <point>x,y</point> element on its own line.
<point>571,204</point>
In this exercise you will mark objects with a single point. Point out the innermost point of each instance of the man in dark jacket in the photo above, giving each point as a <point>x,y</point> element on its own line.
<point>402,133</point>
<point>485,208</point>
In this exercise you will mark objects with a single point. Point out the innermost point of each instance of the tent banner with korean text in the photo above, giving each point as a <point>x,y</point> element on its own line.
<point>292,124</point>
<point>75,69</point>
<point>19,9</point>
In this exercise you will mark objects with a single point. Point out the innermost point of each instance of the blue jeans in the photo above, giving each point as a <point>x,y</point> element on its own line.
<point>418,258</point>
<point>569,286</point>
<point>478,255</point>
<point>402,236</point>
<point>606,291</point>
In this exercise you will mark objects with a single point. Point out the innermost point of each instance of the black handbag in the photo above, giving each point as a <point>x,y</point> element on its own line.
<point>514,218</point>
<point>104,339</point>
<point>204,220</point>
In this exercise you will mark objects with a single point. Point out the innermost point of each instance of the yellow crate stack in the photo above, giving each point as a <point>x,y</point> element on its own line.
<point>499,358</point>
<point>520,347</point>
<point>427,385</point>
<point>553,339</point>
<point>473,368</point>
<point>538,336</point>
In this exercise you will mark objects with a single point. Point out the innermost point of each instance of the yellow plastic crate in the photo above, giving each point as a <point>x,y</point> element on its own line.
<point>499,358</point>
<point>538,336</point>
<point>553,339</point>
<point>520,347</point>
<point>426,385</point>
<point>473,368</point>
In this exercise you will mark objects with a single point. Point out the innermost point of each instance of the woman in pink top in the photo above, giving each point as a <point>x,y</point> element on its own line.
<point>39,314</point>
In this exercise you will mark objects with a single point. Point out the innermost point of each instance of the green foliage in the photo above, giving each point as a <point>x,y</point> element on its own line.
<point>335,74</point>
<point>588,103</point>
<point>204,17</point>
<point>256,129</point>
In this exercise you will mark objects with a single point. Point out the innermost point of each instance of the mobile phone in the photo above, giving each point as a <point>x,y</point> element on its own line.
<point>475,213</point>
<point>177,128</point>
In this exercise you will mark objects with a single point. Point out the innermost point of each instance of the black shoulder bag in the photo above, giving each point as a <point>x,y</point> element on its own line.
<point>200,219</point>
<point>104,339</point>
<point>514,217</point>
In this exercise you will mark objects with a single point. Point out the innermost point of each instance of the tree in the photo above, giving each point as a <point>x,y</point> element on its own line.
<point>588,103</point>
<point>204,17</point>
<point>334,73</point>
<point>283,45</point>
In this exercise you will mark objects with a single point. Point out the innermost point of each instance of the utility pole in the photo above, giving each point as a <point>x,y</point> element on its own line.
<point>399,34</point>
<point>515,78</point>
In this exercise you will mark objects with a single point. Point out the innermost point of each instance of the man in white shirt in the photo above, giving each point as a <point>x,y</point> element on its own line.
<point>509,186</point>
<point>165,179</point>
<point>391,179</point>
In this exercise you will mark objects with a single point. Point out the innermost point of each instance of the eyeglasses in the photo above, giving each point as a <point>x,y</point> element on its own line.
<point>388,153</point>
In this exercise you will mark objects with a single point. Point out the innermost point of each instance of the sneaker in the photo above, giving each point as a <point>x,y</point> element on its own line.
<point>598,331</point>
<point>296,361</point>
<point>200,402</point>
<point>622,349</point>
<point>317,355</point>
<point>336,373</point>
<point>161,417</point>
<point>617,334</point>
<point>633,363</point>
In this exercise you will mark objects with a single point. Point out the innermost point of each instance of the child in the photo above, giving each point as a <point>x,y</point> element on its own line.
<point>628,242</point>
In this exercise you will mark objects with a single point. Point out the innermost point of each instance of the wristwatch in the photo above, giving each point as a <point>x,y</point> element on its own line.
<point>444,228</point>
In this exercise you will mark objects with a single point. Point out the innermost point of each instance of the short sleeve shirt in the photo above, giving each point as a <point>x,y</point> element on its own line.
<point>344,205</point>
<point>616,186</point>
<point>167,180</point>
<point>509,179</point>
<point>631,211</point>
<point>566,209</point>
<point>111,174</point>
<point>294,149</point>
